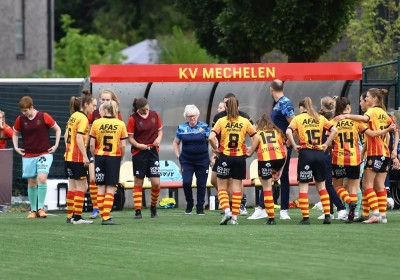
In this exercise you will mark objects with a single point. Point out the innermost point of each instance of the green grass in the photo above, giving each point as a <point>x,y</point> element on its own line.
<point>177,246</point>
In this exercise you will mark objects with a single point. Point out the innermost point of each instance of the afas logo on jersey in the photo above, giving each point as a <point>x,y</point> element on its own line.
<point>345,123</point>
<point>382,117</point>
<point>234,125</point>
<point>309,121</point>
<point>108,127</point>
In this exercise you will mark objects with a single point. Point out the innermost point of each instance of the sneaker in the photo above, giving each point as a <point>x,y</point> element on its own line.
<point>383,220</point>
<point>352,208</point>
<point>82,222</point>
<point>327,220</point>
<point>234,222</point>
<point>153,211</point>
<point>226,218</point>
<point>109,222</point>
<point>360,219</point>
<point>284,215</point>
<point>200,211</point>
<point>270,222</point>
<point>188,210</point>
<point>372,220</point>
<point>95,214</point>
<point>342,214</point>
<point>305,221</point>
<point>41,214</point>
<point>323,217</point>
<point>138,214</point>
<point>242,210</point>
<point>258,214</point>
<point>32,215</point>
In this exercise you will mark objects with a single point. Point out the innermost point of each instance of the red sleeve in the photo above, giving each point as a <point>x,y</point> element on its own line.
<point>8,131</point>
<point>159,121</point>
<point>48,120</point>
<point>131,125</point>
<point>90,118</point>
<point>17,124</point>
<point>119,116</point>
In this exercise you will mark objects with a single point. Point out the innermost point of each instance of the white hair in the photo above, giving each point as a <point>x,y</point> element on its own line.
<point>191,110</point>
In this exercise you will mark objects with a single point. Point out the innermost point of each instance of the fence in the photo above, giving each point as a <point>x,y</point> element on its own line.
<point>49,95</point>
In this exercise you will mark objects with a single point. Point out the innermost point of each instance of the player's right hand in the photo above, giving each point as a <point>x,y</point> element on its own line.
<point>20,151</point>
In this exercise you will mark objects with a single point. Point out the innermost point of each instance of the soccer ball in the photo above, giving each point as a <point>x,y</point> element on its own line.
<point>390,203</point>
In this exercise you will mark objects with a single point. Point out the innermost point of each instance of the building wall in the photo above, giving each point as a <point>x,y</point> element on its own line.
<point>36,38</point>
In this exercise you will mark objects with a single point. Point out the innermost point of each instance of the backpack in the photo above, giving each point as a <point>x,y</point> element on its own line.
<point>119,198</point>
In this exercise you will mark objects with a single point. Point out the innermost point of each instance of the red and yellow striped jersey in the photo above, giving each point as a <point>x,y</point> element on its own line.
<point>108,132</point>
<point>309,132</point>
<point>78,123</point>
<point>378,120</point>
<point>271,146</point>
<point>233,135</point>
<point>346,150</point>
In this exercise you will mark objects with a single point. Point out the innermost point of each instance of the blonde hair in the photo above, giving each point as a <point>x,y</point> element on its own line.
<point>111,93</point>
<point>327,107</point>
<point>111,107</point>
<point>307,104</point>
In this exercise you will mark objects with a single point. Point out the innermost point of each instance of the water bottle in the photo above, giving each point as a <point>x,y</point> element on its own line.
<point>212,202</point>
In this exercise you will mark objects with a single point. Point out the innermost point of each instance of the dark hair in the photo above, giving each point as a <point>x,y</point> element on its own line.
<point>25,103</point>
<point>379,93</point>
<point>139,103</point>
<point>229,95</point>
<point>364,94</point>
<point>87,98</point>
<point>232,108</point>
<point>75,104</point>
<point>341,104</point>
<point>266,124</point>
<point>307,103</point>
<point>277,85</point>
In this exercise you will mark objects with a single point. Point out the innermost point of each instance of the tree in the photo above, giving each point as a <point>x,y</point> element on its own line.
<point>125,20</point>
<point>374,34</point>
<point>179,48</point>
<point>76,52</point>
<point>220,30</point>
<point>303,30</point>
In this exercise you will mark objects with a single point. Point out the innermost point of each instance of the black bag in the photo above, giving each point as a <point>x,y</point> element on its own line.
<point>119,198</point>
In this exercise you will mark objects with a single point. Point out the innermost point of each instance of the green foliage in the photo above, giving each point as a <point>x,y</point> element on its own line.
<point>373,37</point>
<point>124,20</point>
<point>179,48</point>
<point>76,51</point>
<point>242,31</point>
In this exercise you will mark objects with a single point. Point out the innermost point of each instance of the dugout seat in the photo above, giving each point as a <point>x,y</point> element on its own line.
<point>126,177</point>
<point>254,173</point>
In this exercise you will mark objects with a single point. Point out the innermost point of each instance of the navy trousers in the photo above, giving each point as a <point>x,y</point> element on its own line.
<point>285,186</point>
<point>333,196</point>
<point>197,165</point>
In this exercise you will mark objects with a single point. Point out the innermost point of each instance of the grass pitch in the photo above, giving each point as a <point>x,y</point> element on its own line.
<point>177,246</point>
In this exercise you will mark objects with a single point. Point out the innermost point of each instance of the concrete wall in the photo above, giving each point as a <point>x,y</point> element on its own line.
<point>36,38</point>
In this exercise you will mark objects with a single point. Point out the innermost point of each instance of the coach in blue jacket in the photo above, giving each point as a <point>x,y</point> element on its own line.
<point>193,157</point>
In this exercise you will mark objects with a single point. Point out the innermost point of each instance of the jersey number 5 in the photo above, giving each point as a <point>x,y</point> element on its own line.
<point>107,145</point>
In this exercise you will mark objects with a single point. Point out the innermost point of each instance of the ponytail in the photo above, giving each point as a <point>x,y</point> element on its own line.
<point>341,104</point>
<point>307,104</point>
<point>232,108</point>
<point>139,103</point>
<point>74,104</point>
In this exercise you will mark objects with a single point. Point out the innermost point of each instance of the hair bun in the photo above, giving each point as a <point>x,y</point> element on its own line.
<point>383,91</point>
<point>86,92</point>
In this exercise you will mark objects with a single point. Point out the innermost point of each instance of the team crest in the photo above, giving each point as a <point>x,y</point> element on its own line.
<point>370,162</point>
<point>153,120</point>
<point>38,122</point>
<point>141,123</point>
<point>200,129</point>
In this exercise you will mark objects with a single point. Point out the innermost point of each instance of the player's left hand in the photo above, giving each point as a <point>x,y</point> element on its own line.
<point>53,149</point>
<point>156,142</point>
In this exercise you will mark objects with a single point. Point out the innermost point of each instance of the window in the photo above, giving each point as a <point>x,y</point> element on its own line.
<point>19,28</point>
